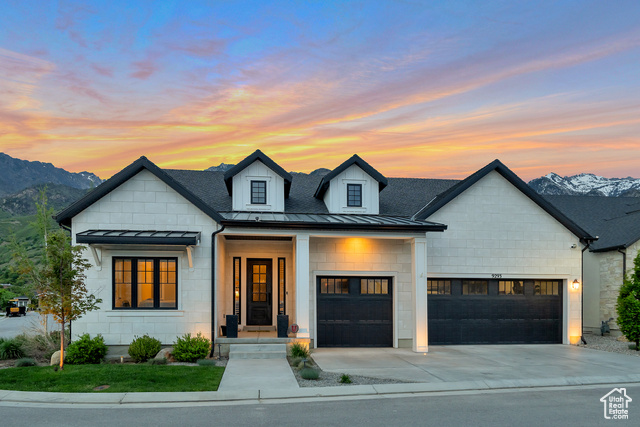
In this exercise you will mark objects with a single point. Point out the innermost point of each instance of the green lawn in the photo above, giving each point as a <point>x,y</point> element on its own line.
<point>120,378</point>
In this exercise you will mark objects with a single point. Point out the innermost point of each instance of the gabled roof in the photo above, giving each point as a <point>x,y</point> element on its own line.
<point>616,220</point>
<point>64,217</point>
<point>257,155</point>
<point>443,198</point>
<point>353,160</point>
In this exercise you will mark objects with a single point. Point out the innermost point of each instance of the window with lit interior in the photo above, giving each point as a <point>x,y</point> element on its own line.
<point>145,283</point>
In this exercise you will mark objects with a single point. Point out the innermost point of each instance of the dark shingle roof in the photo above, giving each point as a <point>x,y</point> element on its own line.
<point>615,220</point>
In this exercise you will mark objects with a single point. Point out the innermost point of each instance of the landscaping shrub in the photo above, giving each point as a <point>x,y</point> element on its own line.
<point>206,362</point>
<point>11,349</point>
<point>345,379</point>
<point>40,345</point>
<point>190,349</point>
<point>144,348</point>
<point>299,350</point>
<point>295,361</point>
<point>161,361</point>
<point>86,350</point>
<point>628,306</point>
<point>25,361</point>
<point>310,374</point>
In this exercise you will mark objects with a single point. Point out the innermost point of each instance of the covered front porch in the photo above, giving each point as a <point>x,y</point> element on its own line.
<point>255,288</point>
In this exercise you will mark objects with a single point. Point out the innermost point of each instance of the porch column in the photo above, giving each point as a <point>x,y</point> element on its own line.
<point>302,285</point>
<point>419,269</point>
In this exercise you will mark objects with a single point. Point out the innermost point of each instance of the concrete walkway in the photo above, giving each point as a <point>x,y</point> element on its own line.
<point>257,374</point>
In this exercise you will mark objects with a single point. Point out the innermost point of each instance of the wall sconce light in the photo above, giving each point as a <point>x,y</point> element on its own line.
<point>575,285</point>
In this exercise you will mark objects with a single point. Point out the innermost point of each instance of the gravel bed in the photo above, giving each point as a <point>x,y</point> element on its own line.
<point>610,344</point>
<point>330,379</point>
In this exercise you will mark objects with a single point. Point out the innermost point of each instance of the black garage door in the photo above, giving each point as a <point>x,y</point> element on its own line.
<point>355,312</point>
<point>466,311</point>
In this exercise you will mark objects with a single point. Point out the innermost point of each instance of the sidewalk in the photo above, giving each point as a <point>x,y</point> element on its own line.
<point>260,374</point>
<point>256,395</point>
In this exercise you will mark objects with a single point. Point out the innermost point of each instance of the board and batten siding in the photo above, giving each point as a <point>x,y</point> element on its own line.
<point>494,229</point>
<point>335,197</point>
<point>241,193</point>
<point>144,202</point>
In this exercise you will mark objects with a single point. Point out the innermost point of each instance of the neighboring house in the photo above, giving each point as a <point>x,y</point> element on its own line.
<point>352,257</point>
<point>616,221</point>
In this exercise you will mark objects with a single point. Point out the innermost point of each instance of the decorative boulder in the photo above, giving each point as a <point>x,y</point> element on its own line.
<point>166,353</point>
<point>55,358</point>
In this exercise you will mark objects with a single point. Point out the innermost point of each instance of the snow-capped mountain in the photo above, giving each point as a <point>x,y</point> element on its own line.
<point>586,184</point>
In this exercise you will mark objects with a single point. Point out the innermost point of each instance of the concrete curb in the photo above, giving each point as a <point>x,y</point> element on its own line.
<point>301,393</point>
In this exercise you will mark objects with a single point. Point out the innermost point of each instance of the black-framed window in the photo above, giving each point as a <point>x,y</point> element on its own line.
<point>546,287</point>
<point>282,286</point>
<point>237,294</point>
<point>374,286</point>
<point>510,287</point>
<point>475,287</point>
<point>439,287</point>
<point>145,283</point>
<point>337,285</point>
<point>258,192</point>
<point>354,195</point>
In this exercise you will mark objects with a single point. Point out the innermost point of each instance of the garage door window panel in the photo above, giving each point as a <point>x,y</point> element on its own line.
<point>546,287</point>
<point>439,287</point>
<point>475,287</point>
<point>510,287</point>
<point>374,286</point>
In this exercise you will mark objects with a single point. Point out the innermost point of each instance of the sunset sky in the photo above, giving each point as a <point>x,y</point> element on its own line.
<point>417,88</point>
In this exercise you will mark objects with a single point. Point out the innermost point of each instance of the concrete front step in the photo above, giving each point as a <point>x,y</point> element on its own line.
<point>257,351</point>
<point>259,328</point>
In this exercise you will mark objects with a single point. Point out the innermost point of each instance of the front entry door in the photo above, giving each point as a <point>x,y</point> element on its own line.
<point>259,292</point>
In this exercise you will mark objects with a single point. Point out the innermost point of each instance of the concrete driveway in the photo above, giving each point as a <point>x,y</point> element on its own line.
<point>477,363</point>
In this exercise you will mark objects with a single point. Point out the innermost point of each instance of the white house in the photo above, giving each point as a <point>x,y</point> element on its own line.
<point>351,257</point>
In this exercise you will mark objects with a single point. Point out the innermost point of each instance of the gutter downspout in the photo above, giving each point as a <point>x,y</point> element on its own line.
<point>623,251</point>
<point>213,287</point>
<point>582,293</point>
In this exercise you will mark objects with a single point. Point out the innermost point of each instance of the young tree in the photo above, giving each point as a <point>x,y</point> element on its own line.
<point>57,273</point>
<point>628,306</point>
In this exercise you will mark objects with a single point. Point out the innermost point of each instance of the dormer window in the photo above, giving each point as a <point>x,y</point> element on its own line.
<point>258,192</point>
<point>354,195</point>
<point>352,188</point>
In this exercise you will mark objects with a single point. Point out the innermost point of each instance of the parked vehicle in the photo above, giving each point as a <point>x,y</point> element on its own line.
<point>15,307</point>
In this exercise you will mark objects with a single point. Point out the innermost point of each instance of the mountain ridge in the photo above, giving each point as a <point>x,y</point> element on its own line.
<point>18,174</point>
<point>586,184</point>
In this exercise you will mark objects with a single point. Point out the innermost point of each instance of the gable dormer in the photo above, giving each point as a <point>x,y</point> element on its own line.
<point>257,183</point>
<point>352,188</point>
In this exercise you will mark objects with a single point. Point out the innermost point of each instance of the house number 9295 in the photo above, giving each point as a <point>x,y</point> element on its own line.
<point>496,276</point>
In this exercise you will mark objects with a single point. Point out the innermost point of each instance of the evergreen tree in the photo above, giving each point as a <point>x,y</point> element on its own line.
<point>628,306</point>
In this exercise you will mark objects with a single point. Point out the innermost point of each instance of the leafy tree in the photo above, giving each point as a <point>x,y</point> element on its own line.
<point>5,296</point>
<point>57,274</point>
<point>628,306</point>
